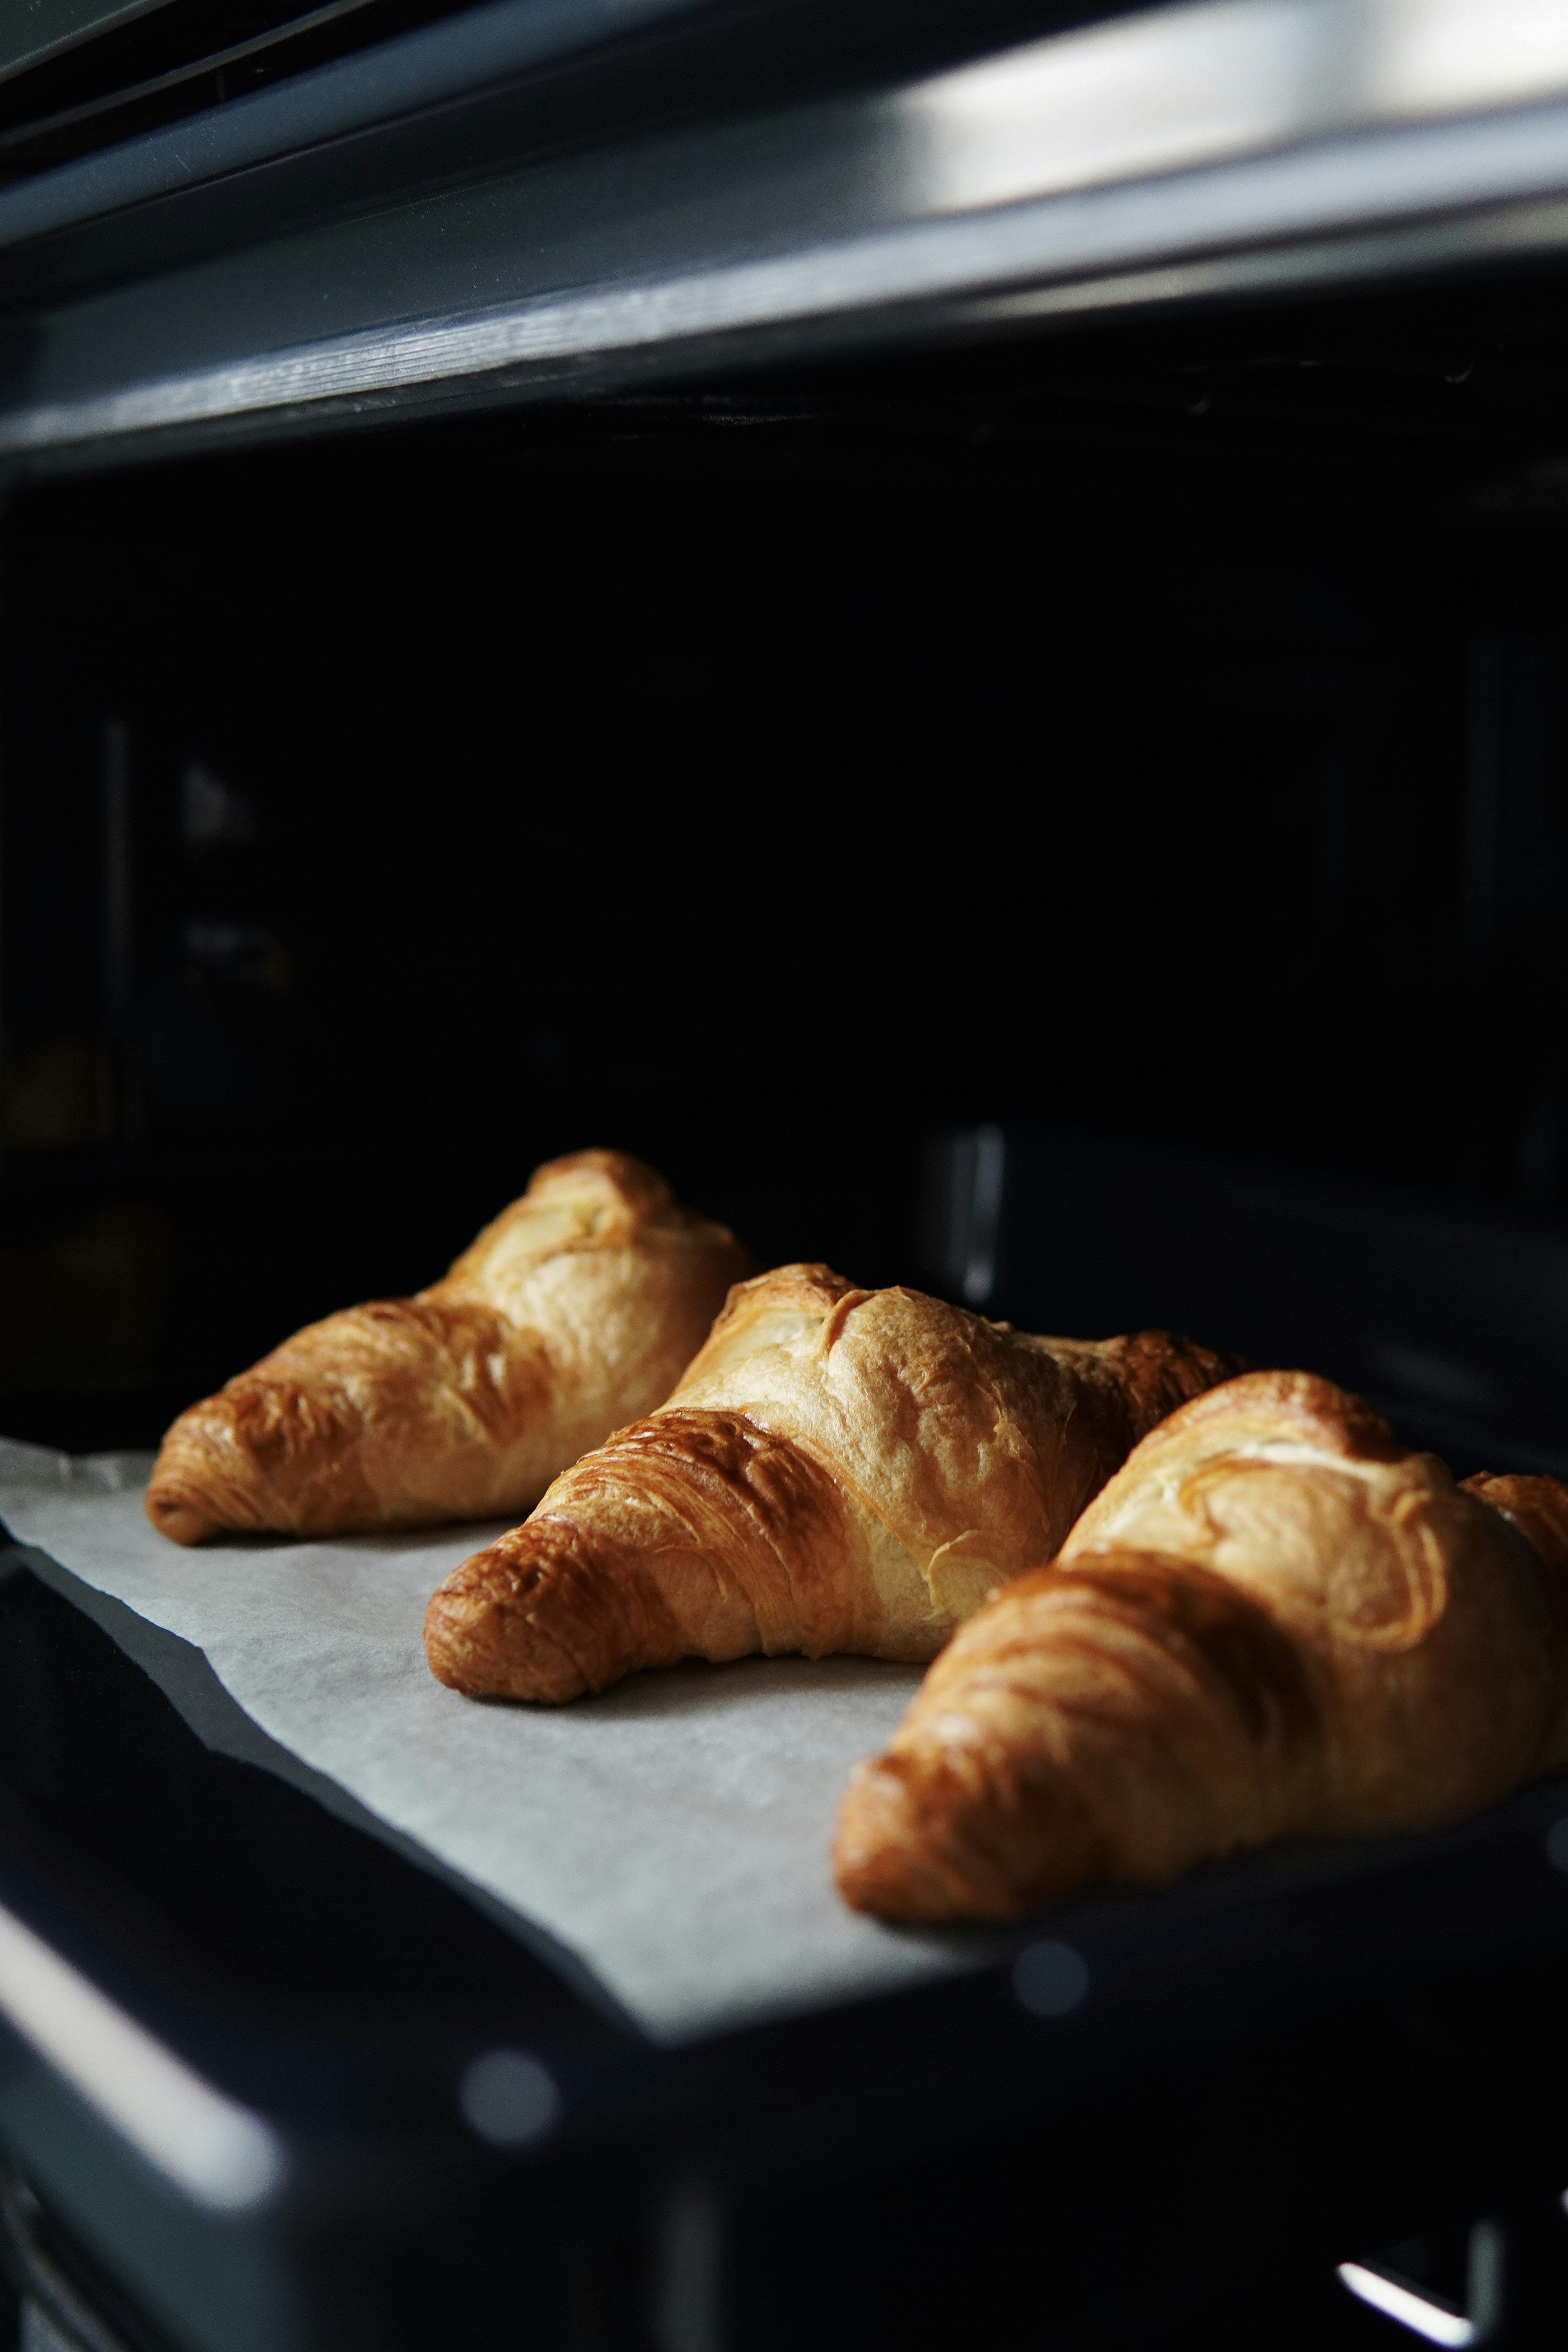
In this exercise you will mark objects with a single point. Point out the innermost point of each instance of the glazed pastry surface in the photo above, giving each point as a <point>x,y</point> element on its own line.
<point>839,1469</point>
<point>576,1309</point>
<point>1275,1621</point>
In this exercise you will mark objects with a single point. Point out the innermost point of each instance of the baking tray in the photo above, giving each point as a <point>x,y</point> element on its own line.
<point>1142,2119</point>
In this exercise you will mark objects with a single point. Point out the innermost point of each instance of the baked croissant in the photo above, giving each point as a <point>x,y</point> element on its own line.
<point>840,1469</point>
<point>1274,1621</point>
<point>578,1307</point>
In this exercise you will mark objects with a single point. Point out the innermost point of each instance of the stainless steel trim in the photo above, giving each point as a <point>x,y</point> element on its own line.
<point>1227,146</point>
<point>27,39</point>
<point>416,70</point>
<point>1408,199</point>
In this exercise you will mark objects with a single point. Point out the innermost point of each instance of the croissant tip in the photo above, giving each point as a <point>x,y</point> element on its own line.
<point>178,1519</point>
<point>924,1840</point>
<point>453,1641</point>
<point>444,1657</point>
<point>885,1861</point>
<point>475,1646</point>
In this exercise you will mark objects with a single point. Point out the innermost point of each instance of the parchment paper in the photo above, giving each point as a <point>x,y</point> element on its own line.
<point>669,1838</point>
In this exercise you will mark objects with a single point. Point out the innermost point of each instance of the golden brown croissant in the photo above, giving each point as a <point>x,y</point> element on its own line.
<point>1274,1621</point>
<point>579,1307</point>
<point>840,1469</point>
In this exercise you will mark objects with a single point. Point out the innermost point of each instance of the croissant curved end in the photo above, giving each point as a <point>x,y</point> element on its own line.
<point>929,1833</point>
<point>477,1644</point>
<point>202,1485</point>
<point>176,1516</point>
<point>911,1847</point>
<point>882,1862</point>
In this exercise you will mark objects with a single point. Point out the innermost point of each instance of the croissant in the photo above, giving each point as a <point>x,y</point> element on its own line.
<point>1273,1622</point>
<point>839,1469</point>
<point>577,1309</point>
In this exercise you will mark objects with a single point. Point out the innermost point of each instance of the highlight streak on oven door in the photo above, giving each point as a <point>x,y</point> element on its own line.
<point>1211,83</point>
<point>217,2153</point>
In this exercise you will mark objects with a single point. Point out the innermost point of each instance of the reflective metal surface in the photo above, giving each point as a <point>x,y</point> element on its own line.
<point>1231,146</point>
<point>27,34</point>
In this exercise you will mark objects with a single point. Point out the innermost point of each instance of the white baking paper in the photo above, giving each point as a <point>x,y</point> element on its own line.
<point>671,1835</point>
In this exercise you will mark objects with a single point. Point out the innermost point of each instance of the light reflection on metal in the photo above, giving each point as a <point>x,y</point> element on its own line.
<point>1207,84</point>
<point>1135,161</point>
<point>510,2099</point>
<point>988,1174</point>
<point>1412,2310</point>
<point>218,2153</point>
<point>1429,2316</point>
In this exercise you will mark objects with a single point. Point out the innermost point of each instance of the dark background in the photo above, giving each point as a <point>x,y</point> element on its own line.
<point>1147,741</point>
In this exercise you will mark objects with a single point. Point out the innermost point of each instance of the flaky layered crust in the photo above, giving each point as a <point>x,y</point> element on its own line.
<point>839,1469</point>
<point>576,1309</point>
<point>1274,1621</point>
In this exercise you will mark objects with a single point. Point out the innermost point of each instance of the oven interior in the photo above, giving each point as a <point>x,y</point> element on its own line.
<point>1141,745</point>
<point>1076,822</point>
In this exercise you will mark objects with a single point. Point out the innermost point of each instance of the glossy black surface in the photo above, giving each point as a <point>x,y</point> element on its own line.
<point>1274,2065</point>
<point>237,1879</point>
